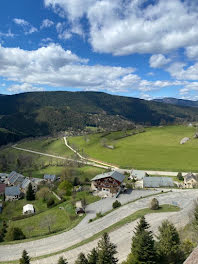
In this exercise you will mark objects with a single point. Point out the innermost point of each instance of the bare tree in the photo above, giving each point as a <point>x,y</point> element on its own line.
<point>48,221</point>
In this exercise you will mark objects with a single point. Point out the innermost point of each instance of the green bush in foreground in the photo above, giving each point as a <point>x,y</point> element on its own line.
<point>154,204</point>
<point>116,204</point>
<point>14,233</point>
<point>25,259</point>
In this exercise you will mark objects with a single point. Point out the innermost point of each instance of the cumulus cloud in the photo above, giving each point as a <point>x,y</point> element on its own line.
<point>179,71</point>
<point>192,52</point>
<point>27,27</point>
<point>25,87</point>
<point>56,67</point>
<point>46,23</point>
<point>158,61</point>
<point>124,27</point>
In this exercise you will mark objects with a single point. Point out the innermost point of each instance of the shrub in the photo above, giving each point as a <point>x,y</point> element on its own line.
<point>14,233</point>
<point>50,202</point>
<point>180,177</point>
<point>154,204</point>
<point>116,204</point>
<point>99,215</point>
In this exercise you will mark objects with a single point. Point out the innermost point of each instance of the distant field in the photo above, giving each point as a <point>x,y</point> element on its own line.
<point>156,149</point>
<point>50,146</point>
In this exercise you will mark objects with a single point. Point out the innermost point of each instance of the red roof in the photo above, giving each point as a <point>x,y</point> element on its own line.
<point>2,188</point>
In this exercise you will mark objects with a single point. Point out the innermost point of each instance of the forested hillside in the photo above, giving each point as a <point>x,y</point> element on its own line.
<point>45,113</point>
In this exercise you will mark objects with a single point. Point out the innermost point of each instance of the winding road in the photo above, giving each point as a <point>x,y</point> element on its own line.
<point>122,236</point>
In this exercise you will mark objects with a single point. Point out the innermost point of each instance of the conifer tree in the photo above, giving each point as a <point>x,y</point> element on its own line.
<point>106,251</point>
<point>168,245</point>
<point>25,259</point>
<point>30,195</point>
<point>81,259</point>
<point>92,256</point>
<point>142,249</point>
<point>62,261</point>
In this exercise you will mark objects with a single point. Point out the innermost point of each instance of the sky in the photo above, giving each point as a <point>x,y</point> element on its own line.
<point>139,48</point>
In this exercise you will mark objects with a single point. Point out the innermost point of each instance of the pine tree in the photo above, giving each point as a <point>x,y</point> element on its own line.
<point>168,245</point>
<point>142,249</point>
<point>81,259</point>
<point>106,251</point>
<point>62,261</point>
<point>92,256</point>
<point>30,195</point>
<point>25,259</point>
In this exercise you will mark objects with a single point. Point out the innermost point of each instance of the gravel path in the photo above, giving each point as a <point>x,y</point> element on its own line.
<point>184,198</point>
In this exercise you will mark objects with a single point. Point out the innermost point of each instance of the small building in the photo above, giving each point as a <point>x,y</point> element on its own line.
<point>3,177</point>
<point>15,179</point>
<point>25,184</point>
<point>137,175</point>
<point>190,180</point>
<point>157,182</point>
<point>2,189</point>
<point>28,209</point>
<point>49,177</point>
<point>109,183</point>
<point>12,193</point>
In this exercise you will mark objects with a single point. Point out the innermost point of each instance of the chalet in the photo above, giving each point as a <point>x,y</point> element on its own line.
<point>157,182</point>
<point>80,209</point>
<point>190,180</point>
<point>12,193</point>
<point>28,209</point>
<point>109,183</point>
<point>49,177</point>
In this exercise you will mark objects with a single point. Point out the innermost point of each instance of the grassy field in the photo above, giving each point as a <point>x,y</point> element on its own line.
<point>156,149</point>
<point>53,146</point>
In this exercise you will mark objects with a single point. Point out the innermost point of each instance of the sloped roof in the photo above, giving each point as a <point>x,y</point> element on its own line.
<point>12,191</point>
<point>25,183</point>
<point>190,176</point>
<point>155,182</point>
<point>113,174</point>
<point>139,174</point>
<point>15,177</point>
<point>50,177</point>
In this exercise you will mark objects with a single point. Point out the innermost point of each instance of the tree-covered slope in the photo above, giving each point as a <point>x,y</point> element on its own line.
<point>43,113</point>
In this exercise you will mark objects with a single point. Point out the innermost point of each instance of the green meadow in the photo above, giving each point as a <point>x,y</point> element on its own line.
<point>158,148</point>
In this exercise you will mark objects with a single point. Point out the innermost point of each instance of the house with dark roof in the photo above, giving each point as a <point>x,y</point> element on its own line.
<point>190,180</point>
<point>15,179</point>
<point>109,183</point>
<point>138,175</point>
<point>12,193</point>
<point>49,177</point>
<point>157,182</point>
<point>25,184</point>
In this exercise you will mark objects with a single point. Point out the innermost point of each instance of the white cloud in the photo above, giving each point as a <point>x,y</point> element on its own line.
<point>56,67</point>
<point>179,71</point>
<point>25,87</point>
<point>46,23</point>
<point>27,27</point>
<point>124,27</point>
<point>192,52</point>
<point>158,61</point>
<point>63,33</point>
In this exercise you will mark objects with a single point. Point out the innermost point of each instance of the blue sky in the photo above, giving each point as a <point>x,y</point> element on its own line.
<point>138,48</point>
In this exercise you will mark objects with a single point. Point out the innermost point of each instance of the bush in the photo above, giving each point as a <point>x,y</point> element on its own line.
<point>50,203</point>
<point>154,204</point>
<point>14,233</point>
<point>180,177</point>
<point>99,215</point>
<point>116,204</point>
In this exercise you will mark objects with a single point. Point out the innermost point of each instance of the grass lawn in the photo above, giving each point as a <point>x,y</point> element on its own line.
<point>156,149</point>
<point>54,146</point>
<point>82,172</point>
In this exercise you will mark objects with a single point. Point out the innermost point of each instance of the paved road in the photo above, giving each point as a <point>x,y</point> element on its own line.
<point>184,199</point>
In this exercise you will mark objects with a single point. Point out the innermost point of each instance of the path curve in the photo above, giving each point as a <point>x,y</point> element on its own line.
<point>184,199</point>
